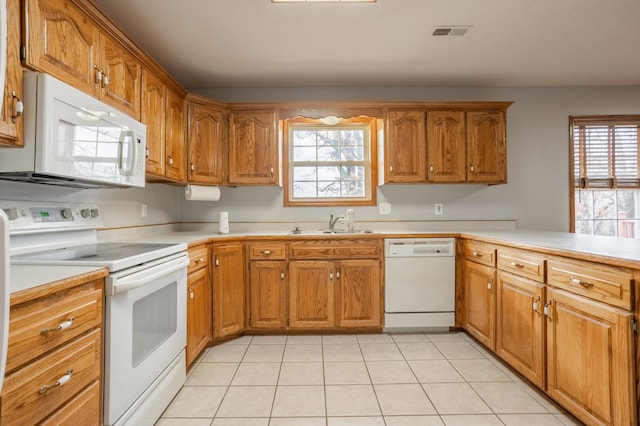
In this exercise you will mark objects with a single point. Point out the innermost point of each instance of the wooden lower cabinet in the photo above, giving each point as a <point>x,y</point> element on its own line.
<point>268,294</point>
<point>228,289</point>
<point>520,325</point>
<point>55,335</point>
<point>589,359</point>
<point>311,294</point>
<point>480,302</point>
<point>199,317</point>
<point>358,293</point>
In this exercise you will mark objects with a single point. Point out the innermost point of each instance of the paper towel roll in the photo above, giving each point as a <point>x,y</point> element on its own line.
<point>223,223</point>
<point>202,193</point>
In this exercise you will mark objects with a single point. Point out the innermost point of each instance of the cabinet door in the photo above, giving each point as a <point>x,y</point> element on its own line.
<point>358,295</point>
<point>199,317</point>
<point>268,294</point>
<point>206,144</point>
<point>121,81</point>
<point>175,138</point>
<point>480,302</point>
<point>228,287</point>
<point>253,148</point>
<point>589,361</point>
<point>311,294</point>
<point>446,146</point>
<point>520,325</point>
<point>486,147</point>
<point>405,156</point>
<point>63,41</point>
<point>154,101</point>
<point>10,126</point>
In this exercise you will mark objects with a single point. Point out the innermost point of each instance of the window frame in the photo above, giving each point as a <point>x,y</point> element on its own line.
<point>371,176</point>
<point>582,182</point>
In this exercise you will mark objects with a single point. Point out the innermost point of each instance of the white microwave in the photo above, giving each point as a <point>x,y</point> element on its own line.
<point>73,139</point>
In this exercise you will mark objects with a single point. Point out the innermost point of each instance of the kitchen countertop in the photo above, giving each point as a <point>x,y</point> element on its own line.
<point>620,251</point>
<point>25,277</point>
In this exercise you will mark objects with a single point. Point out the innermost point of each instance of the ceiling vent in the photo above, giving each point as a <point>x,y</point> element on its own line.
<point>450,31</point>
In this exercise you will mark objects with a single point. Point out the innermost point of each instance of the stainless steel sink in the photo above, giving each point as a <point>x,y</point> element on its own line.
<point>334,232</point>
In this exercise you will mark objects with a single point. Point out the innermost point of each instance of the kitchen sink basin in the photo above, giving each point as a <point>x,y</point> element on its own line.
<point>330,232</point>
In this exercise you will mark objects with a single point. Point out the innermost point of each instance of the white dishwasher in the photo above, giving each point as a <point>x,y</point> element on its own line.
<point>419,284</point>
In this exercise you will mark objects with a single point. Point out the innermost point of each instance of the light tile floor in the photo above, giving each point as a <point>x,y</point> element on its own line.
<point>357,380</point>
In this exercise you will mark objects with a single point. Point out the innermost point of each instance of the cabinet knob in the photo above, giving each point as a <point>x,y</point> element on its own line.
<point>98,75</point>
<point>170,161</point>
<point>390,169</point>
<point>331,275</point>
<point>266,252</point>
<point>193,167</point>
<point>217,262</point>
<point>431,168</point>
<point>471,168</point>
<point>191,294</point>
<point>199,260</point>
<point>282,276</point>
<point>338,275</point>
<point>147,152</point>
<point>105,81</point>
<point>477,254</point>
<point>489,285</point>
<point>517,265</point>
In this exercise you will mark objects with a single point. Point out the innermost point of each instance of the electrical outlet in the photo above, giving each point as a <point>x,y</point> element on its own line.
<point>143,210</point>
<point>384,208</point>
<point>438,209</point>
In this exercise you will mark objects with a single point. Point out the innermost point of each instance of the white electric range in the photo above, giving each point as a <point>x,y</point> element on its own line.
<point>145,302</point>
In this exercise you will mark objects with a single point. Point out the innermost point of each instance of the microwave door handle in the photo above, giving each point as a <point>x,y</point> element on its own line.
<point>139,279</point>
<point>127,170</point>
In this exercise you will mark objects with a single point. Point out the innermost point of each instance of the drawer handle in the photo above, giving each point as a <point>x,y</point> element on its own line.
<point>62,326</point>
<point>517,265</point>
<point>199,260</point>
<point>61,381</point>
<point>266,252</point>
<point>477,254</point>
<point>584,284</point>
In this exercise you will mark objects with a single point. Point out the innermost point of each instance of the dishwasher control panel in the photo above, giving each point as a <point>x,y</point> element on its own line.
<point>419,247</point>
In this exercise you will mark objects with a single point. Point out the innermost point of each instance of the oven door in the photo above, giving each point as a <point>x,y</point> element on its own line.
<point>145,329</point>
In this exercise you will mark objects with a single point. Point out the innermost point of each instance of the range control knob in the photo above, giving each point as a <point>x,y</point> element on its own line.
<point>95,213</point>
<point>67,213</point>
<point>12,213</point>
<point>85,213</point>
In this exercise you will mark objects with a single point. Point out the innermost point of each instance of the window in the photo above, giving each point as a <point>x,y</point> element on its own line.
<point>329,161</point>
<point>605,175</point>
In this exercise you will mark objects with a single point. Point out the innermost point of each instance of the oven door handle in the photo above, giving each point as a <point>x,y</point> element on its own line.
<point>141,278</point>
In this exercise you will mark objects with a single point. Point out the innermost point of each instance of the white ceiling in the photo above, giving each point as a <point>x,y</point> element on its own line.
<point>208,44</point>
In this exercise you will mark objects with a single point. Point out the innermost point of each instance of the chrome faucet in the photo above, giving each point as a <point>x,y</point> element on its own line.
<point>332,222</point>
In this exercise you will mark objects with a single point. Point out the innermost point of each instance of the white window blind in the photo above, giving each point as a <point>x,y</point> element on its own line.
<point>605,152</point>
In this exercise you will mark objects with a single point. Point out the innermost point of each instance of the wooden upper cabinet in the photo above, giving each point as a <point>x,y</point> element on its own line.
<point>62,41</point>
<point>121,79</point>
<point>176,147</point>
<point>154,101</point>
<point>486,147</point>
<point>10,122</point>
<point>405,147</point>
<point>446,150</point>
<point>253,148</point>
<point>206,135</point>
<point>65,42</point>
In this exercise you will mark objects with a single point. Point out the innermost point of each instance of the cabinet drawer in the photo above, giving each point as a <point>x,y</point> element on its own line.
<point>39,326</point>
<point>609,284</point>
<point>336,249</point>
<point>83,409</point>
<point>521,262</point>
<point>480,252</point>
<point>198,257</point>
<point>25,400</point>
<point>267,251</point>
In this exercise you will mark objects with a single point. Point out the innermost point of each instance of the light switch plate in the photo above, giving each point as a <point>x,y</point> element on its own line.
<point>438,209</point>
<point>384,208</point>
